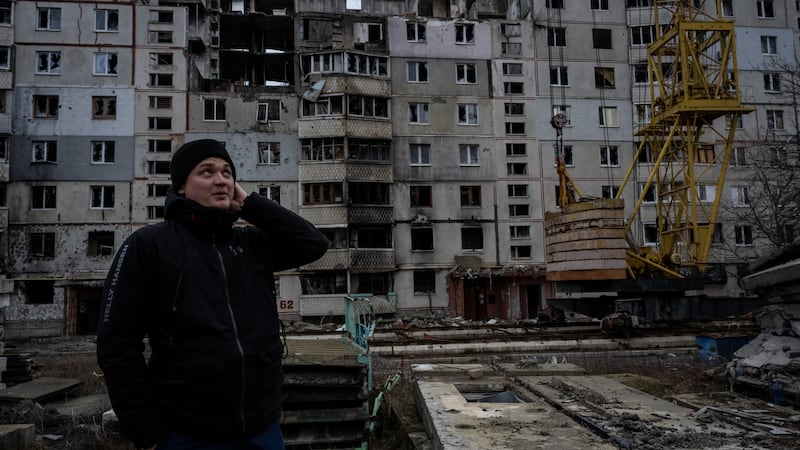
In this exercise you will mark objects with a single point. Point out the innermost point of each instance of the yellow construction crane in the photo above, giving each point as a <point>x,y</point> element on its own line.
<point>693,81</point>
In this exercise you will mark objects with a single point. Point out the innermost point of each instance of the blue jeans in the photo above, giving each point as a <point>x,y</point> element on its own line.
<point>269,439</point>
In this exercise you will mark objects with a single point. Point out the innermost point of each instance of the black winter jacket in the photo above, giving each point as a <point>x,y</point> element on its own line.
<point>202,291</point>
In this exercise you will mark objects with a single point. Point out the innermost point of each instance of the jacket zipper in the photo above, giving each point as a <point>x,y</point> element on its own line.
<point>235,332</point>
<point>175,307</point>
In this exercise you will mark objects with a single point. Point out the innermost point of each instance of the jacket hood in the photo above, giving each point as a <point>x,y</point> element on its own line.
<point>201,219</point>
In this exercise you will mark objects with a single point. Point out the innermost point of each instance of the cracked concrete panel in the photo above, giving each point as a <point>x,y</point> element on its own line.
<point>454,423</point>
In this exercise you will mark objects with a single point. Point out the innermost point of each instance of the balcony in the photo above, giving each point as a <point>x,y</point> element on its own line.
<point>371,214</point>
<point>372,260</point>
<point>332,260</point>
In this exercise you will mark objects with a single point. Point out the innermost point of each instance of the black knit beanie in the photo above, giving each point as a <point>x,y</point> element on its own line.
<point>190,154</point>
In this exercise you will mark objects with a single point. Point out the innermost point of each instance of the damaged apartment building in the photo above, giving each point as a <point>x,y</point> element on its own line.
<point>415,134</point>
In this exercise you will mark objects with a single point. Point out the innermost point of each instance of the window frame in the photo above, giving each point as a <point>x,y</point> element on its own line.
<point>44,198</point>
<point>469,155</point>
<point>104,107</point>
<point>467,111</point>
<point>418,153</point>
<point>470,196</point>
<point>53,67</point>
<point>466,73</point>
<point>50,18</point>
<point>214,109</point>
<point>101,197</point>
<point>110,63</point>
<point>603,118</point>
<point>106,20</point>
<point>269,153</point>
<point>464,33</point>
<point>609,156</point>
<point>419,111</point>
<point>105,149</point>
<point>49,152</point>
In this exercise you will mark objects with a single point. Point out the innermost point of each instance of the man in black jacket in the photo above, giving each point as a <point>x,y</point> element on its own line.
<point>202,291</point>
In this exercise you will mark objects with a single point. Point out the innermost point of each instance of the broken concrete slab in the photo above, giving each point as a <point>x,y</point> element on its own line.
<point>476,371</point>
<point>38,389</point>
<point>88,405</point>
<point>17,436</point>
<point>454,423</point>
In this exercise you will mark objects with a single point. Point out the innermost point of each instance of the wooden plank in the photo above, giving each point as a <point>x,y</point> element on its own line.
<point>584,216</point>
<point>586,234</point>
<point>38,389</point>
<point>587,255</point>
<point>588,264</point>
<point>593,224</point>
<point>590,244</point>
<point>583,275</point>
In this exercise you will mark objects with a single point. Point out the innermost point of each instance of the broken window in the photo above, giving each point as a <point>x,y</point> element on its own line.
<point>515,128</point>
<point>511,29</point>
<point>336,236</point>
<point>566,154</point>
<point>45,106</point>
<point>520,251</point>
<point>369,149</point>
<point>43,197</point>
<point>604,77</point>
<point>517,168</point>
<point>102,197</point>
<point>159,123</point>
<point>155,212</point>
<point>159,37</point>
<point>417,71</point>
<point>465,33</point>
<point>519,210</point>
<point>319,30</point>
<point>468,114</point>
<point>513,88</point>
<point>160,79</point>
<point>100,243</point>
<point>329,105</point>
<point>418,113</point>
<point>643,35</point>
<point>739,196</point>
<point>161,16</point>
<point>415,31</point>
<point>367,32</point>
<point>511,48</point>
<point>159,145</point>
<point>421,238</point>
<point>271,192</point>
<point>269,153</point>
<point>371,237</point>
<point>557,37</point>
<point>466,74</point>
<point>368,64</point>
<point>607,191</point>
<point>5,12</point>
<point>516,149</point>
<point>268,110</point>
<point>609,156</point>
<point>157,190</point>
<point>45,151</point>
<point>559,76</point>
<point>512,68</point>
<point>322,149</point>
<point>419,154</point>
<point>774,119</point>
<point>158,167</point>
<point>368,193</point>
<point>421,196</point>
<point>424,281</point>
<point>470,196</point>
<point>744,235</point>
<point>40,292</point>
<point>324,282</point>
<point>48,19</point>
<point>104,107</point>
<point>608,116</point>
<point>323,63</point>
<point>358,105</point>
<point>519,231</point>
<point>472,238</point>
<point>105,63</point>
<point>5,57</point>
<point>514,109</point>
<point>5,145</point>
<point>601,38</point>
<point>161,59</point>
<point>214,109</point>
<point>106,20</point>
<point>103,152</point>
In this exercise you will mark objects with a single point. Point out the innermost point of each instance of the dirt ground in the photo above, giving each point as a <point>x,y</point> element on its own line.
<point>74,358</point>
